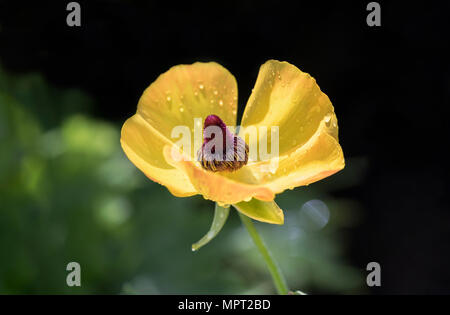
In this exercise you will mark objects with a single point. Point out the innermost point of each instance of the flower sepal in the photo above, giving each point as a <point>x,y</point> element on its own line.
<point>268,212</point>
<point>220,217</point>
<point>264,211</point>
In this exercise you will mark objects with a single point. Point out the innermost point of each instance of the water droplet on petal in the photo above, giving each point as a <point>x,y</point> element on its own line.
<point>327,120</point>
<point>221,103</point>
<point>201,86</point>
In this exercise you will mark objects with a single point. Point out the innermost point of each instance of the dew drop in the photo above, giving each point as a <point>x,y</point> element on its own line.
<point>168,98</point>
<point>221,103</point>
<point>201,86</point>
<point>273,169</point>
<point>215,92</point>
<point>181,109</point>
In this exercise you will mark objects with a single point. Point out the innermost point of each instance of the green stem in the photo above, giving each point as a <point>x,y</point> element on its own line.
<point>275,271</point>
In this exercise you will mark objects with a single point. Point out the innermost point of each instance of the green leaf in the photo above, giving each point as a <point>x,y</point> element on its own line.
<point>220,217</point>
<point>264,211</point>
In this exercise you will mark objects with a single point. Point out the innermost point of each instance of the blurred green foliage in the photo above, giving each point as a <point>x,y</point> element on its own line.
<point>68,193</point>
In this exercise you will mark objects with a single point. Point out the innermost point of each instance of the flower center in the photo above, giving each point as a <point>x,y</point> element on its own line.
<point>221,149</point>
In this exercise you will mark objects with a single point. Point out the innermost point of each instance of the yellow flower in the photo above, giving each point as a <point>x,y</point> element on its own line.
<point>283,96</point>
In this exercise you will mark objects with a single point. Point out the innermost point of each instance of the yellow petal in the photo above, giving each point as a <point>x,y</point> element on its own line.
<point>262,211</point>
<point>142,145</point>
<point>216,186</point>
<point>309,150</point>
<point>176,98</point>
<point>318,158</point>
<point>187,92</point>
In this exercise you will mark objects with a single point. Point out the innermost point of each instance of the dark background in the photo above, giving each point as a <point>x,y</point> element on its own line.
<point>389,86</point>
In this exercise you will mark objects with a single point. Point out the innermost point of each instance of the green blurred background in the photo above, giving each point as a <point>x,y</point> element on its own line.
<point>68,193</point>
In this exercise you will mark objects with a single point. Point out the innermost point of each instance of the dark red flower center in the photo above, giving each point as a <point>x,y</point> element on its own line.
<point>221,149</point>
